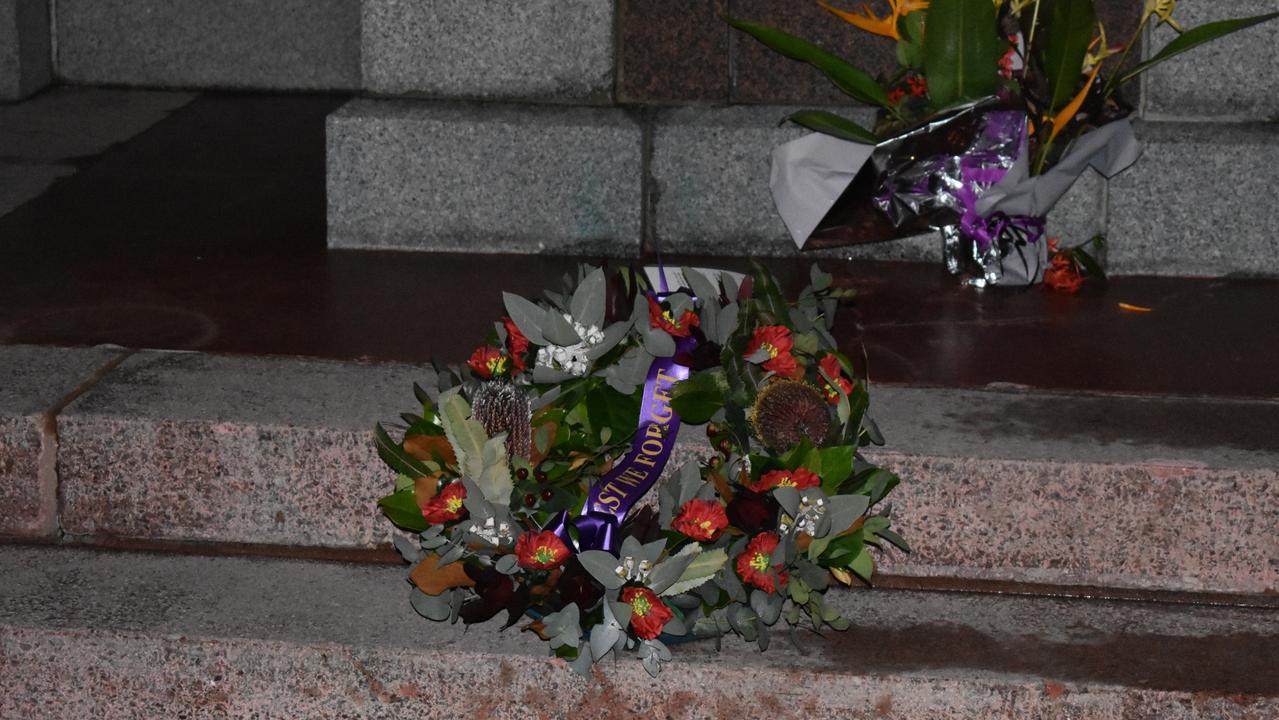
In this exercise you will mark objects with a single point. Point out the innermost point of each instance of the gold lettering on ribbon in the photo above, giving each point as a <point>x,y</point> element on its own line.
<point>656,436</point>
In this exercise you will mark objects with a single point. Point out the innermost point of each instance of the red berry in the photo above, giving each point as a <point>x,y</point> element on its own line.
<point>540,476</point>
<point>521,474</point>
<point>547,494</point>
<point>530,500</point>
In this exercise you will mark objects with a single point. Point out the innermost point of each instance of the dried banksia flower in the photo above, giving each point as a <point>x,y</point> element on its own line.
<point>787,411</point>
<point>502,407</point>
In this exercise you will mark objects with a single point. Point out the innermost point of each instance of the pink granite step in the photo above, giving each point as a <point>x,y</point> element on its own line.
<point>1173,494</point>
<point>134,635</point>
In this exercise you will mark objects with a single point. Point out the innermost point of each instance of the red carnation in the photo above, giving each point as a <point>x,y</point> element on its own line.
<point>540,551</point>
<point>830,366</point>
<point>488,361</point>
<point>702,520</point>
<point>753,564</point>
<point>662,320</point>
<point>777,342</point>
<point>446,506</point>
<point>1062,275</point>
<point>516,344</point>
<point>648,613</point>
<point>799,478</point>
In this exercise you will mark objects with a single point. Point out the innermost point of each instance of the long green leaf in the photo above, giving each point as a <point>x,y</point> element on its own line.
<point>1195,37</point>
<point>393,454</point>
<point>962,48</point>
<point>1069,30</point>
<point>856,83</point>
<point>834,125</point>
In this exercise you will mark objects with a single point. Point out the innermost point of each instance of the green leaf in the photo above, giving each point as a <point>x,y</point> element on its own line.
<point>910,49</point>
<point>402,509</point>
<point>853,81</point>
<point>702,568</point>
<point>895,539</point>
<point>863,566</point>
<point>558,330</point>
<point>834,125</point>
<point>393,454</point>
<point>494,478</point>
<point>962,48</point>
<point>465,434</point>
<point>1195,37</point>
<point>768,295</point>
<point>700,396</point>
<point>1066,36</point>
<point>837,465</point>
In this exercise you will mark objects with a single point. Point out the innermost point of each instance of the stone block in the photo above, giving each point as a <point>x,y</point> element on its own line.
<point>32,382</point>
<point>20,182</point>
<point>175,446</point>
<point>261,44</point>
<point>1198,202</point>
<point>553,49</point>
<point>1234,78</point>
<point>672,51</point>
<point>25,58</point>
<point>1102,491</point>
<point>70,123</point>
<point>710,171</point>
<point>114,634</point>
<point>484,178</point>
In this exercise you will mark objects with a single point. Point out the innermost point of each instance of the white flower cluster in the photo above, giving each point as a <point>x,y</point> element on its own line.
<point>810,514</point>
<point>573,359</point>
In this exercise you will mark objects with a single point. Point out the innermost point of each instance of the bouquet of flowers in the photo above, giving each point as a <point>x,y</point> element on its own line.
<point>525,475</point>
<point>994,110</point>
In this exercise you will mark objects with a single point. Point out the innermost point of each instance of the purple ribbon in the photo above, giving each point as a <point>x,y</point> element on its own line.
<point>613,495</point>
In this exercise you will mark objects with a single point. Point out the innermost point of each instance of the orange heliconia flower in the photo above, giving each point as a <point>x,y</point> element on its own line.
<point>866,19</point>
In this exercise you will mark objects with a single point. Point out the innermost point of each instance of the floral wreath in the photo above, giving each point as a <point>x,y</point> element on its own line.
<point>525,473</point>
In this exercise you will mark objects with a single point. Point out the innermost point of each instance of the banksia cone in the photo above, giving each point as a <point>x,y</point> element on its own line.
<point>502,407</point>
<point>787,411</point>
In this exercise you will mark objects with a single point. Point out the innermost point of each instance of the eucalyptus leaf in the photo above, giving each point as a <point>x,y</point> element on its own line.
<point>843,511</point>
<point>507,565</point>
<point>667,572</point>
<point>410,551</point>
<point>727,322</point>
<point>431,607</point>
<point>602,566</point>
<point>559,331</point>
<point>465,434</point>
<point>767,605</point>
<point>658,343</point>
<point>613,334</point>
<point>527,316</point>
<point>587,305</point>
<point>602,639</point>
<point>702,287</point>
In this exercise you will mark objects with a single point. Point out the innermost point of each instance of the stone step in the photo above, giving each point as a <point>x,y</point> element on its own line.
<point>25,65</point>
<point>121,634</point>
<point>428,176</point>
<point>1169,494</point>
<point>257,44</point>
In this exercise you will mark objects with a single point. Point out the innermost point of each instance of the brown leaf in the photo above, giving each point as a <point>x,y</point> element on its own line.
<point>539,628</point>
<point>543,439</point>
<point>802,541</point>
<point>548,586</point>
<point>430,447</point>
<point>721,486</point>
<point>424,488</point>
<point>434,580</point>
